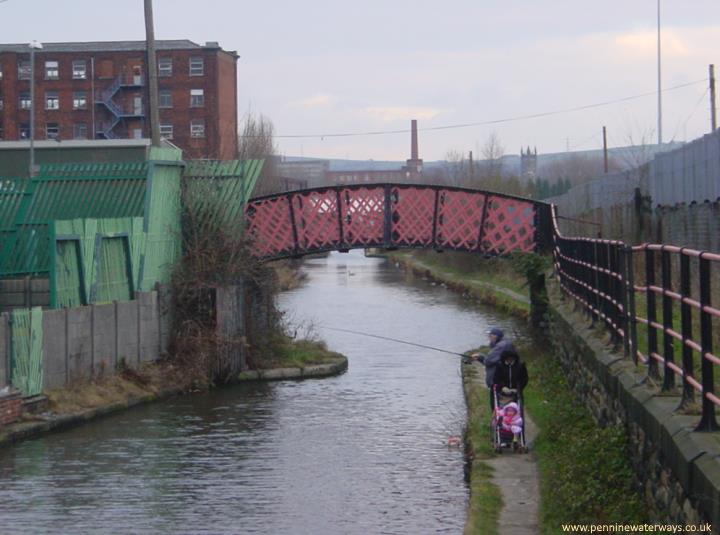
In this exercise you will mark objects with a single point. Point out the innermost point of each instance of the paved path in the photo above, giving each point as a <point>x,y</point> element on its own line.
<point>518,479</point>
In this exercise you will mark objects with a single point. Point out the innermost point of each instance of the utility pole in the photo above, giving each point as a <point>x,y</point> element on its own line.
<point>713,109</point>
<point>605,149</point>
<point>33,46</point>
<point>472,168</point>
<point>659,78</point>
<point>152,74</point>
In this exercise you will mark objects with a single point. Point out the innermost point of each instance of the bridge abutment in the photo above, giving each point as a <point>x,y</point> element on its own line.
<point>676,468</point>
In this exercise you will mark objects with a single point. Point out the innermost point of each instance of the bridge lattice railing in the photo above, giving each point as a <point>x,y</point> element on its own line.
<point>395,215</point>
<point>624,286</point>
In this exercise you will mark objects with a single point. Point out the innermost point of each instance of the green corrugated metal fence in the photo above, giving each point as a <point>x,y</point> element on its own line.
<point>63,191</point>
<point>78,244</point>
<point>26,355</point>
<point>101,231</point>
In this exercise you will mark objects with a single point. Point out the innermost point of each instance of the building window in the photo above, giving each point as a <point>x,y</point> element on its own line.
<point>165,98</point>
<point>24,69</point>
<point>197,128</point>
<point>197,98</point>
<point>165,67</point>
<point>52,71</point>
<point>24,131</point>
<point>52,130</point>
<point>80,100</point>
<point>166,131</point>
<point>52,100</point>
<point>79,69</point>
<point>25,102</point>
<point>1,72</point>
<point>80,131</point>
<point>197,66</point>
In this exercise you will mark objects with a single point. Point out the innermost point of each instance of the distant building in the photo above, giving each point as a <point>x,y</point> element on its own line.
<point>99,90</point>
<point>528,164</point>
<point>410,172</point>
<point>310,173</point>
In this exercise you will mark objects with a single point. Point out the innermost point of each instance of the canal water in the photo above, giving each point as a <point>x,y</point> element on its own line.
<point>362,453</point>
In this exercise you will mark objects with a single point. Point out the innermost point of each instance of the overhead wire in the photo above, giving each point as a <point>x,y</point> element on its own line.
<point>490,122</point>
<point>694,110</point>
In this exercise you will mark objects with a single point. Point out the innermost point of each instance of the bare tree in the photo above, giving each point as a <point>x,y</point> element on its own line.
<point>492,152</point>
<point>457,170</point>
<point>256,142</point>
<point>577,168</point>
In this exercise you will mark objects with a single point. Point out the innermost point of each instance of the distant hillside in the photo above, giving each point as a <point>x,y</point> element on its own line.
<point>625,157</point>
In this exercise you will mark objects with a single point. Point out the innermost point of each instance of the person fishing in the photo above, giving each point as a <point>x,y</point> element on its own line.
<point>498,344</point>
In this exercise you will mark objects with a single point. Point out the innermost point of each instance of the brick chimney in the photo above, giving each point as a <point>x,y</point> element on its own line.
<point>413,140</point>
<point>413,166</point>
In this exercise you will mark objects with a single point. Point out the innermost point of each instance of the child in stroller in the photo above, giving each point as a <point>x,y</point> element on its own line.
<point>510,379</point>
<point>508,427</point>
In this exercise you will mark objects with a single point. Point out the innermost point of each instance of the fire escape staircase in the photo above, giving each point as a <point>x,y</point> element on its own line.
<point>105,98</point>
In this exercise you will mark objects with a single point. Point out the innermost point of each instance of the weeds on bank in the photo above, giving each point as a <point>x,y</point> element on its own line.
<point>586,475</point>
<point>485,497</point>
<point>482,278</point>
<point>284,352</point>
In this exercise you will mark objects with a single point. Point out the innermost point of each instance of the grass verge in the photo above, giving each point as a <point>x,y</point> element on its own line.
<point>288,353</point>
<point>496,284</point>
<point>483,513</point>
<point>585,472</point>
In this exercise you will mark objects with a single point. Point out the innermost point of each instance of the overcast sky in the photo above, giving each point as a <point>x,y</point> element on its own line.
<point>330,67</point>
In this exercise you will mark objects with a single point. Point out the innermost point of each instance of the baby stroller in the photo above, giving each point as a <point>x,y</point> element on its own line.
<point>502,437</point>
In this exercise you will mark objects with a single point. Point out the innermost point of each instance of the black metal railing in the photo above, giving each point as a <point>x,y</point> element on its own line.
<point>674,283</point>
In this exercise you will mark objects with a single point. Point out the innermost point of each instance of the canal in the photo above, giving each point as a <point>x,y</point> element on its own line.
<point>364,452</point>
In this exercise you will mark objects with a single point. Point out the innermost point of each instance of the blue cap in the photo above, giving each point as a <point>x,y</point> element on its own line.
<point>497,332</point>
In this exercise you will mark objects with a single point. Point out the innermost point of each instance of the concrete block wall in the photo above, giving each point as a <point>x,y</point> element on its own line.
<point>128,348</point>
<point>88,342</point>
<point>148,315</point>
<point>4,349</point>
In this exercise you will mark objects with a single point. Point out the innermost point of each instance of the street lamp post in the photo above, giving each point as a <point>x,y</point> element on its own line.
<point>33,46</point>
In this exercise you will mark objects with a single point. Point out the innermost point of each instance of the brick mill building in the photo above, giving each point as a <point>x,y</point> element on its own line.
<point>99,90</point>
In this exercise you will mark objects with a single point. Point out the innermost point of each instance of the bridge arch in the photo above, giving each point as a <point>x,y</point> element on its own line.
<point>340,218</point>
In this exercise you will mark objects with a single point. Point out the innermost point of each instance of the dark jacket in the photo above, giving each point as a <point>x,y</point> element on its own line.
<point>513,376</point>
<point>492,360</point>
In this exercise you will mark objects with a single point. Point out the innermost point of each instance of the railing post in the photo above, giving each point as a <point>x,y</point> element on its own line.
<point>688,394</point>
<point>667,302</point>
<point>631,313</point>
<point>591,280</point>
<point>387,220</point>
<point>341,231</point>
<point>595,275</point>
<point>651,312</point>
<point>293,223</point>
<point>707,422</point>
<point>613,300</point>
<point>621,295</point>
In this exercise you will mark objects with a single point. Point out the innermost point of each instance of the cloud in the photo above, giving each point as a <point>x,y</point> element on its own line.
<point>644,43</point>
<point>316,101</point>
<point>393,113</point>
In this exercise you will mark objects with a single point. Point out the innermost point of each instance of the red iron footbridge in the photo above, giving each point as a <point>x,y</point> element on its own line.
<point>394,216</point>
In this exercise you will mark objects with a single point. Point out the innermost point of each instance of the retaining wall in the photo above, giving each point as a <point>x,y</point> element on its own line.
<point>676,468</point>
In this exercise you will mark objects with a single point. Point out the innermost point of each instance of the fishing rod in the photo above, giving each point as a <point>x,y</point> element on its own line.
<point>395,340</point>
